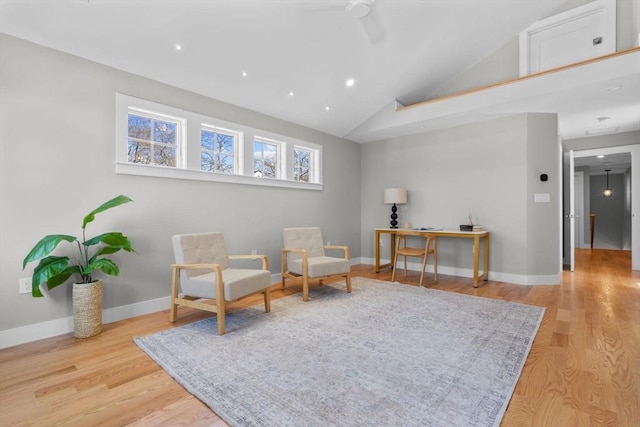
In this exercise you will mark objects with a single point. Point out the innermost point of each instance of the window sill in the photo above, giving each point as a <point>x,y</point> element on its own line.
<point>194,175</point>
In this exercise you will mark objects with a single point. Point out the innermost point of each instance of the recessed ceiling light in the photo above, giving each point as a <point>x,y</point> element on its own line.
<point>291,94</point>
<point>244,74</point>
<point>350,82</point>
<point>327,108</point>
<point>178,46</point>
<point>601,156</point>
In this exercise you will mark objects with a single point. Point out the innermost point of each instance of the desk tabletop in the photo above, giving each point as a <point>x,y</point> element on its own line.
<point>441,231</point>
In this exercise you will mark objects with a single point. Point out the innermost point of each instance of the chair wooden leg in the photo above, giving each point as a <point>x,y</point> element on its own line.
<point>435,265</point>
<point>220,307</point>
<point>405,266</point>
<point>282,270</point>
<point>424,265</point>
<point>173,312</point>
<point>305,288</point>
<point>348,280</point>
<point>267,300</point>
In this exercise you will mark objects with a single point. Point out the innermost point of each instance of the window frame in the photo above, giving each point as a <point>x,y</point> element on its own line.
<point>179,137</point>
<point>280,171</point>
<point>313,165</point>
<point>237,142</point>
<point>189,152</point>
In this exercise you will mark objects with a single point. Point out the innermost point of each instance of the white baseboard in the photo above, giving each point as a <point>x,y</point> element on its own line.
<point>517,279</point>
<point>52,328</point>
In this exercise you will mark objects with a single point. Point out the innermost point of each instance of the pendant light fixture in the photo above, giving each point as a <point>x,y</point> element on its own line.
<point>607,191</point>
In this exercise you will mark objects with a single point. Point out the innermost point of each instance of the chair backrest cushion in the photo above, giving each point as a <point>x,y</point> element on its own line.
<point>308,238</point>
<point>200,248</point>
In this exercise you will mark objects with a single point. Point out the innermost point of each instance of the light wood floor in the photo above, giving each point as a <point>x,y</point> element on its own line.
<point>583,368</point>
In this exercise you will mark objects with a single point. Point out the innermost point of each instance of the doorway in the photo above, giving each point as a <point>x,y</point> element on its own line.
<point>583,156</point>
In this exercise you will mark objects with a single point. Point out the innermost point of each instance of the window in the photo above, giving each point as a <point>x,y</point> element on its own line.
<point>302,164</point>
<point>218,150</point>
<point>153,139</point>
<point>162,141</point>
<point>265,158</point>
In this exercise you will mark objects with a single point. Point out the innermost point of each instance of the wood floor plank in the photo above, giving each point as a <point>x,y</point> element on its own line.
<point>583,368</point>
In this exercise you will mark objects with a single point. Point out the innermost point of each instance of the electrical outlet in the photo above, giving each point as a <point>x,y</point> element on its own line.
<point>254,253</point>
<point>328,242</point>
<point>25,285</point>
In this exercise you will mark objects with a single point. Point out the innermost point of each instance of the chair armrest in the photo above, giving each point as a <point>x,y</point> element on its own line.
<point>302,252</point>
<point>195,266</point>
<point>347,253</point>
<point>265,260</point>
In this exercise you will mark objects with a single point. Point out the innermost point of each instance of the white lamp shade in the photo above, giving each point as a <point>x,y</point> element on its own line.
<point>395,195</point>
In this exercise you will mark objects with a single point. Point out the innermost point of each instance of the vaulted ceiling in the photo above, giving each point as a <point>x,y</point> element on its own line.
<point>291,59</point>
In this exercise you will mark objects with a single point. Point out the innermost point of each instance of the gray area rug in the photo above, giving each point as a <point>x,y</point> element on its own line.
<point>385,355</point>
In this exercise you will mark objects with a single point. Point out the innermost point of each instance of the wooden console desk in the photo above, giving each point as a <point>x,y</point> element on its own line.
<point>475,235</point>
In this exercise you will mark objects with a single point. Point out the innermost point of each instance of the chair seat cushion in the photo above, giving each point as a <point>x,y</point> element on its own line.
<point>321,266</point>
<point>237,283</point>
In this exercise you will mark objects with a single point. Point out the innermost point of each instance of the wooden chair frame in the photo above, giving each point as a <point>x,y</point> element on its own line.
<point>220,306</point>
<point>403,250</point>
<point>304,278</point>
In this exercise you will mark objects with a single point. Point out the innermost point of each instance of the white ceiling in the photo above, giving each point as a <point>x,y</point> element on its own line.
<point>311,47</point>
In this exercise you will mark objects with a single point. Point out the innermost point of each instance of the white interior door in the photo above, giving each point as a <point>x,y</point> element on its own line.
<point>568,208</point>
<point>572,214</point>
<point>581,215</point>
<point>583,32</point>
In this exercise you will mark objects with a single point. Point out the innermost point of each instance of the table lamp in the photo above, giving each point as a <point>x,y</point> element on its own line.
<point>395,196</point>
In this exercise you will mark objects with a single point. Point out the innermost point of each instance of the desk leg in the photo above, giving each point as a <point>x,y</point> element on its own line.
<point>476,256</point>
<point>377,245</point>
<point>486,257</point>
<point>392,248</point>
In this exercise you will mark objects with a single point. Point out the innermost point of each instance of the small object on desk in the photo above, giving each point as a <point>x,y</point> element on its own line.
<point>466,227</point>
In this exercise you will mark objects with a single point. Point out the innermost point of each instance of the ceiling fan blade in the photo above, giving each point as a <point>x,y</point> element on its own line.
<point>372,28</point>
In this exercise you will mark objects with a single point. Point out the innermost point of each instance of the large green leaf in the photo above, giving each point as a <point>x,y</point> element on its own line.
<point>45,246</point>
<point>106,266</point>
<point>47,269</point>
<point>62,277</point>
<point>115,239</point>
<point>116,201</point>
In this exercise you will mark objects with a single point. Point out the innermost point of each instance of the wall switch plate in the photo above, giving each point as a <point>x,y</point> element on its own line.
<point>25,285</point>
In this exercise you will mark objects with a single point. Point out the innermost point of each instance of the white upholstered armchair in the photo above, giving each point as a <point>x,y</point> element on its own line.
<point>202,272</point>
<point>304,259</point>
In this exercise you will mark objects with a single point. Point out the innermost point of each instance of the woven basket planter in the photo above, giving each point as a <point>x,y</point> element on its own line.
<point>87,309</point>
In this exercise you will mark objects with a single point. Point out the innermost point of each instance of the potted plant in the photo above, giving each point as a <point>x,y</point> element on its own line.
<point>92,257</point>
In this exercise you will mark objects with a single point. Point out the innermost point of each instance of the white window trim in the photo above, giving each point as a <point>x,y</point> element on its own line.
<point>191,172</point>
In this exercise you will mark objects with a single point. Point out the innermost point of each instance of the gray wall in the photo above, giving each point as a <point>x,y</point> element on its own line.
<point>610,212</point>
<point>490,169</point>
<point>57,149</point>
